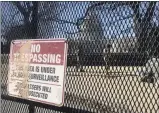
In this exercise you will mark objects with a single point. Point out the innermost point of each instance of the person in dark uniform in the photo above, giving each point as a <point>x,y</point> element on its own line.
<point>80,56</point>
<point>107,55</point>
<point>2,48</point>
<point>152,70</point>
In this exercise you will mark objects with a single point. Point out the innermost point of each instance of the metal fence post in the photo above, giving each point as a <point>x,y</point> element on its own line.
<point>31,108</point>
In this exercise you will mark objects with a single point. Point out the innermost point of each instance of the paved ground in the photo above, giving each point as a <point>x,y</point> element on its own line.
<point>111,92</point>
<point>122,93</point>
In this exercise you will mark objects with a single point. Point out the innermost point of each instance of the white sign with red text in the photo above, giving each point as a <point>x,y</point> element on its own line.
<point>37,70</point>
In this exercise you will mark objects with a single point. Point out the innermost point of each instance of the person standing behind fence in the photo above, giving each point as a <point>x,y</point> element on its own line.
<point>79,57</point>
<point>106,52</point>
<point>2,47</point>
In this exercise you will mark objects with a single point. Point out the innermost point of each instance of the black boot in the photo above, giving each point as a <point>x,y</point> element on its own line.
<point>149,78</point>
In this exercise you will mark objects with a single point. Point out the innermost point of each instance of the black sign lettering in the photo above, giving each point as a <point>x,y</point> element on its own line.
<point>44,77</point>
<point>37,68</point>
<point>31,68</point>
<point>48,70</point>
<point>46,89</point>
<point>34,87</point>
<point>38,94</point>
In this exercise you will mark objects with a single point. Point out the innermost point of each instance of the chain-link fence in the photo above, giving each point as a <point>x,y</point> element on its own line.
<point>113,53</point>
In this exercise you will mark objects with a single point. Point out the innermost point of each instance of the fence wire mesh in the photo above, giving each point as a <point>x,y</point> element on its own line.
<point>113,53</point>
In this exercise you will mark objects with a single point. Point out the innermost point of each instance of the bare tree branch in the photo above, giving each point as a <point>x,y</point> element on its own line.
<point>136,7</point>
<point>20,8</point>
<point>90,8</point>
<point>28,5</point>
<point>150,11</point>
<point>57,20</point>
<point>45,12</point>
<point>13,16</point>
<point>97,4</point>
<point>110,23</point>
